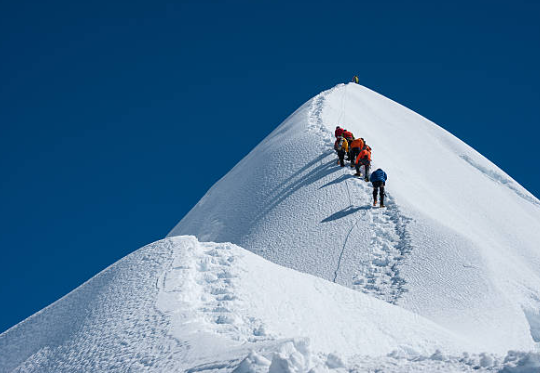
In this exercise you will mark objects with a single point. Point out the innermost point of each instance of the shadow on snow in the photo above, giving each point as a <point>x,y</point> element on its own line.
<point>345,212</point>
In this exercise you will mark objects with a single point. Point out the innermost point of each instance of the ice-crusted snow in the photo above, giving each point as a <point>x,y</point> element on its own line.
<point>444,280</point>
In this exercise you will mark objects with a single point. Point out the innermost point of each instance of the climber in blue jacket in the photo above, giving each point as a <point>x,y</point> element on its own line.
<point>378,180</point>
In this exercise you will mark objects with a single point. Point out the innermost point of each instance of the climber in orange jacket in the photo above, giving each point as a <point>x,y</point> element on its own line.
<point>364,159</point>
<point>355,147</point>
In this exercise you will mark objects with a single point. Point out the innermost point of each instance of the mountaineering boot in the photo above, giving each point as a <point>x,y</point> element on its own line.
<point>375,203</point>
<point>366,179</point>
<point>357,174</point>
<point>382,205</point>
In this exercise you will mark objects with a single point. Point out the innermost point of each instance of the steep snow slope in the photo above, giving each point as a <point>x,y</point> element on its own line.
<point>458,243</point>
<point>454,257</point>
<point>180,305</point>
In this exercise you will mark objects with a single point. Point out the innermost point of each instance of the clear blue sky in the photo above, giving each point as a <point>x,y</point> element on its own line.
<point>104,107</point>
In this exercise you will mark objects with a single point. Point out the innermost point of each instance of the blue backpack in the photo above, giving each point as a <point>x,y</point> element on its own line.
<point>378,175</point>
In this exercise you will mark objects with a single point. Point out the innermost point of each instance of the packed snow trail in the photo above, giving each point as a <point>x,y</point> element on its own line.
<point>378,270</point>
<point>378,273</point>
<point>442,249</point>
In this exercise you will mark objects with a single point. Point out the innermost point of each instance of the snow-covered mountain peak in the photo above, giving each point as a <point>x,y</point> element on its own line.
<point>458,240</point>
<point>446,279</point>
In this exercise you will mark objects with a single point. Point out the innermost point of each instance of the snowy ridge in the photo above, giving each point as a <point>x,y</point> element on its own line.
<point>203,278</point>
<point>442,249</point>
<point>216,307</point>
<point>378,275</point>
<point>108,323</point>
<point>499,177</point>
<point>442,280</point>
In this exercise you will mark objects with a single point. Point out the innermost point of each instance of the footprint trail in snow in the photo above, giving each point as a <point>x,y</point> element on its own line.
<point>388,246</point>
<point>206,274</point>
<point>378,273</point>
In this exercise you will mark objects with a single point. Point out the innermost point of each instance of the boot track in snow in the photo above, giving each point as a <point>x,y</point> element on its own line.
<point>379,275</point>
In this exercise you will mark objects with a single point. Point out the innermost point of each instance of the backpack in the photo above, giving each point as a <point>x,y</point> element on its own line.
<point>339,145</point>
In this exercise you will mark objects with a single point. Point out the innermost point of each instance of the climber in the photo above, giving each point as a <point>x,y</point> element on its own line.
<point>363,159</point>
<point>355,147</point>
<point>349,137</point>
<point>341,146</point>
<point>378,180</point>
<point>339,131</point>
<point>355,79</point>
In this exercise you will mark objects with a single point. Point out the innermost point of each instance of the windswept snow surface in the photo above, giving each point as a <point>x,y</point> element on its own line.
<point>458,243</point>
<point>181,305</point>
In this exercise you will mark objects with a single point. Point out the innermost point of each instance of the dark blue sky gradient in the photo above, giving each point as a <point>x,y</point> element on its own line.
<point>104,107</point>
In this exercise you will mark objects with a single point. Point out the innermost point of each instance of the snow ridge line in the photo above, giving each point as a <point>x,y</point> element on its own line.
<point>169,245</point>
<point>315,120</point>
<point>501,179</point>
<point>287,187</point>
<point>314,124</point>
<point>203,280</point>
